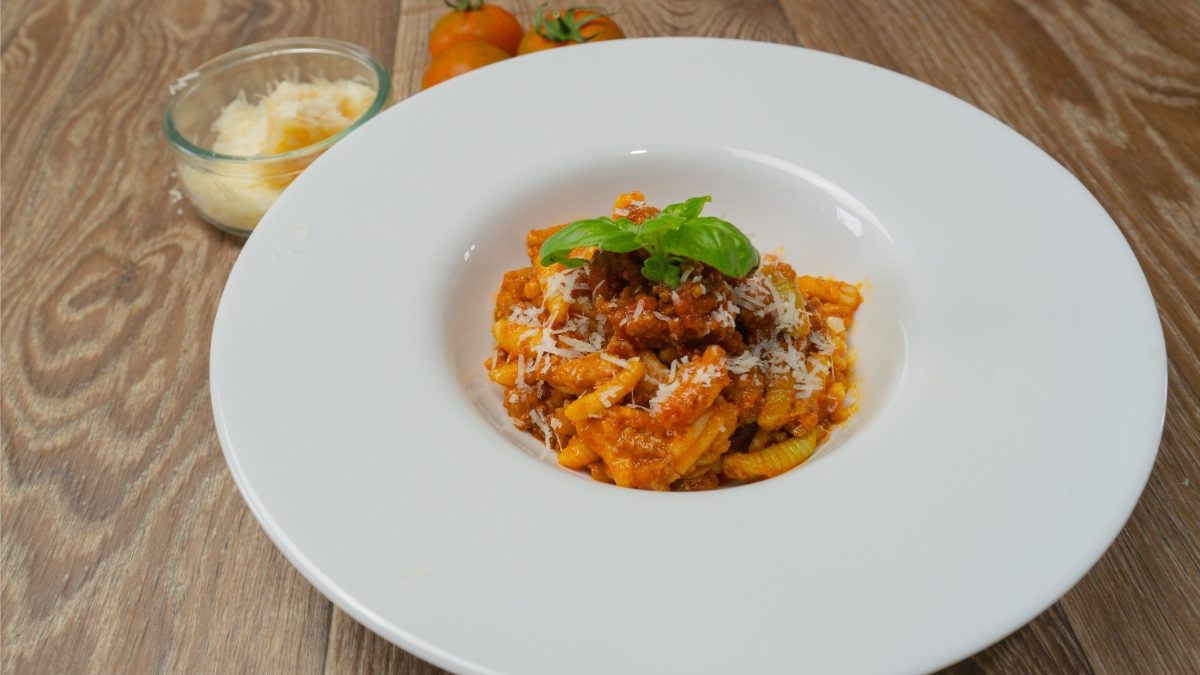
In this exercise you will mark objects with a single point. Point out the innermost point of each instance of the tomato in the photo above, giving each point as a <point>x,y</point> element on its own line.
<point>572,26</point>
<point>461,58</point>
<point>475,21</point>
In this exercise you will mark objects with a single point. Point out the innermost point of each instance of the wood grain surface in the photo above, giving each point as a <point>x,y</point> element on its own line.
<point>125,545</point>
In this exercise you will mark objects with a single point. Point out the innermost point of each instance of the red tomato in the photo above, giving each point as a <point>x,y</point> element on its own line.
<point>461,58</point>
<point>475,21</point>
<point>571,26</point>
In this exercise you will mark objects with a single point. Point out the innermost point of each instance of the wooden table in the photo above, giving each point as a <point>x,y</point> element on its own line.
<point>126,547</point>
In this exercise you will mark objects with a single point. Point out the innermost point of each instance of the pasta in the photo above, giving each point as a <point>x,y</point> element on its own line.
<point>714,381</point>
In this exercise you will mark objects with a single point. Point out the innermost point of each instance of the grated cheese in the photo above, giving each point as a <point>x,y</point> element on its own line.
<point>743,363</point>
<point>704,375</point>
<point>664,392</point>
<point>548,345</point>
<point>724,317</point>
<point>539,421</point>
<point>583,347</point>
<point>521,372</point>
<point>822,342</point>
<point>606,397</point>
<point>562,284</point>
<point>525,315</point>
<point>783,307</point>
<point>774,356</point>
<point>749,292</point>
<point>811,378</point>
<point>577,324</point>
<point>614,360</point>
<point>292,115</point>
<point>757,294</point>
<point>787,358</point>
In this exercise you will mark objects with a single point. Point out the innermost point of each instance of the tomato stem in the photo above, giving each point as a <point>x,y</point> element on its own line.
<point>464,5</point>
<point>565,26</point>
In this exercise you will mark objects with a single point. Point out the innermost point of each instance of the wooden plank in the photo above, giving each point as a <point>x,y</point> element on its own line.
<point>1045,645</point>
<point>126,547</point>
<point>354,649</point>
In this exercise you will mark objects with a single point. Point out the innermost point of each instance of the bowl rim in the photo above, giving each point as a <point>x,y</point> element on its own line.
<point>264,50</point>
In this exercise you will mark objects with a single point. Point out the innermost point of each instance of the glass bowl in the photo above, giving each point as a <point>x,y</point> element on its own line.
<point>233,192</point>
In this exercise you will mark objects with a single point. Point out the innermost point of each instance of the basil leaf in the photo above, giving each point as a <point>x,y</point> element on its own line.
<point>662,268</point>
<point>653,230</point>
<point>619,236</point>
<point>714,242</point>
<point>689,208</point>
<point>676,233</point>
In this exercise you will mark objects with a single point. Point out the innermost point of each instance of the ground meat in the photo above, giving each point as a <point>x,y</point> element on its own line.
<point>746,390</point>
<point>681,317</point>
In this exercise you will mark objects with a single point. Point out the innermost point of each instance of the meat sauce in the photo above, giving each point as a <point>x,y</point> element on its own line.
<point>716,381</point>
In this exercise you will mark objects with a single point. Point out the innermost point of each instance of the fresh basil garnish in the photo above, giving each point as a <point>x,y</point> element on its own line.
<point>618,236</point>
<point>677,233</point>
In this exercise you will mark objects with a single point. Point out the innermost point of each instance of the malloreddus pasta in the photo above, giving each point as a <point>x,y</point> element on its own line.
<point>655,350</point>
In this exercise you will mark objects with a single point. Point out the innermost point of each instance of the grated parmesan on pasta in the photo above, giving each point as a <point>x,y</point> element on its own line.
<point>709,369</point>
<point>665,389</point>
<point>580,345</point>
<point>614,360</point>
<point>561,284</point>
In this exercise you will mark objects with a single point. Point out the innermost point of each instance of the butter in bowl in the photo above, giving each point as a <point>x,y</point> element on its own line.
<point>245,124</point>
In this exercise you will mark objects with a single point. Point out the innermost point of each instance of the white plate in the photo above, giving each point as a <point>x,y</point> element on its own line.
<point>1013,367</point>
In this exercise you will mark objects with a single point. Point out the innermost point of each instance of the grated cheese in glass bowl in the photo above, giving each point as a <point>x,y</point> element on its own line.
<point>245,124</point>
